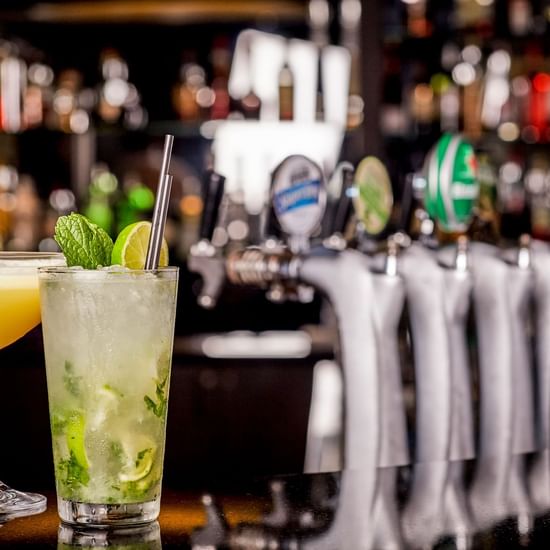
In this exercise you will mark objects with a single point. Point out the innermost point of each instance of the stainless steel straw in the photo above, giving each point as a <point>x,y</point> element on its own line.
<point>161,207</point>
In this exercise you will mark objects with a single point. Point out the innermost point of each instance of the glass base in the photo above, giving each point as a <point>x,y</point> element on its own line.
<point>16,504</point>
<point>107,515</point>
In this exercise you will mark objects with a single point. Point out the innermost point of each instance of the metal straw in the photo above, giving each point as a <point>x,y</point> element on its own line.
<point>161,207</point>
<point>159,222</point>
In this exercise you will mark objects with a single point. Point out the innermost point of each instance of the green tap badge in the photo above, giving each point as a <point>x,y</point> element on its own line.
<point>373,196</point>
<point>452,188</point>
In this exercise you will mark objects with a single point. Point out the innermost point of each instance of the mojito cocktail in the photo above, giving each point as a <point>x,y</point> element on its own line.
<point>108,336</point>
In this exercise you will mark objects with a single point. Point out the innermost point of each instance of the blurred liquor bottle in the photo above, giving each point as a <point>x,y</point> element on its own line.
<point>9,179</point>
<point>119,100</point>
<point>13,80</point>
<point>101,198</point>
<point>38,95</point>
<point>221,65</point>
<point>135,203</point>
<point>65,98</point>
<point>537,187</point>
<point>486,223</point>
<point>27,216</point>
<point>513,202</point>
<point>286,93</point>
<point>192,79</point>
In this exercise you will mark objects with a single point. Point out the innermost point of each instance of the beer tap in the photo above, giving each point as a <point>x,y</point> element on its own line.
<point>324,439</point>
<point>438,292</point>
<point>500,296</point>
<point>204,258</point>
<point>372,202</point>
<point>299,197</point>
<point>539,476</point>
<point>507,433</point>
<point>369,192</point>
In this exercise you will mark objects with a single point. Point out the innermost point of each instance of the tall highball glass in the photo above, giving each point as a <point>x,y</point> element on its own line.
<point>108,337</point>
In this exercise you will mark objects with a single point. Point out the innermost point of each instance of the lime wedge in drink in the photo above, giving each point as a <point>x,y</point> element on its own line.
<point>140,454</point>
<point>74,433</point>
<point>130,249</point>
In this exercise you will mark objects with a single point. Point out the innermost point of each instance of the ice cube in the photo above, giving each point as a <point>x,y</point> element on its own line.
<point>114,269</point>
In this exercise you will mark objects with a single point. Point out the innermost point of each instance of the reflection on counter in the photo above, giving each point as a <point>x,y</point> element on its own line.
<point>322,512</point>
<point>331,512</point>
<point>144,537</point>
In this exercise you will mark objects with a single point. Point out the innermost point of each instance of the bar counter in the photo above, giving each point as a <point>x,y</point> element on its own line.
<point>181,513</point>
<point>307,512</point>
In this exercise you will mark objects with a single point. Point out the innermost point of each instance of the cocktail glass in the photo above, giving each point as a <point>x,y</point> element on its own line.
<point>108,338</point>
<point>19,313</point>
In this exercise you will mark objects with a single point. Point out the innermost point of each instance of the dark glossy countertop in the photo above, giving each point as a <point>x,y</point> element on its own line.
<point>180,514</point>
<point>311,512</point>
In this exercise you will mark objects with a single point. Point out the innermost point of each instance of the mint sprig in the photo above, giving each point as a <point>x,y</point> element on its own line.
<point>82,242</point>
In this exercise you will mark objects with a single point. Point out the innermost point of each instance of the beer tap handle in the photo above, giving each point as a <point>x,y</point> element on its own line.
<point>212,270</point>
<point>344,205</point>
<point>338,206</point>
<point>212,193</point>
<point>407,203</point>
<point>373,203</point>
<point>203,258</point>
<point>298,200</point>
<point>451,188</point>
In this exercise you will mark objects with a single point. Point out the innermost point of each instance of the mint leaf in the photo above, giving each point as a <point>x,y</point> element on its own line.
<point>158,409</point>
<point>72,473</point>
<point>57,422</point>
<point>71,381</point>
<point>83,243</point>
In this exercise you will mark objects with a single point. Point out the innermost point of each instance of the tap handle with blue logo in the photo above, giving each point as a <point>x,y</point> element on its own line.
<point>298,199</point>
<point>212,194</point>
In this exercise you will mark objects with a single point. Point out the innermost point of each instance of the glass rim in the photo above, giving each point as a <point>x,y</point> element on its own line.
<point>64,270</point>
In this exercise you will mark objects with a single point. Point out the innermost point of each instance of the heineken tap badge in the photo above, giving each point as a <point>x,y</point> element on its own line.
<point>452,188</point>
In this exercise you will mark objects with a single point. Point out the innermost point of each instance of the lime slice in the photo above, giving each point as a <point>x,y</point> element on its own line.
<point>74,433</point>
<point>130,249</point>
<point>140,455</point>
